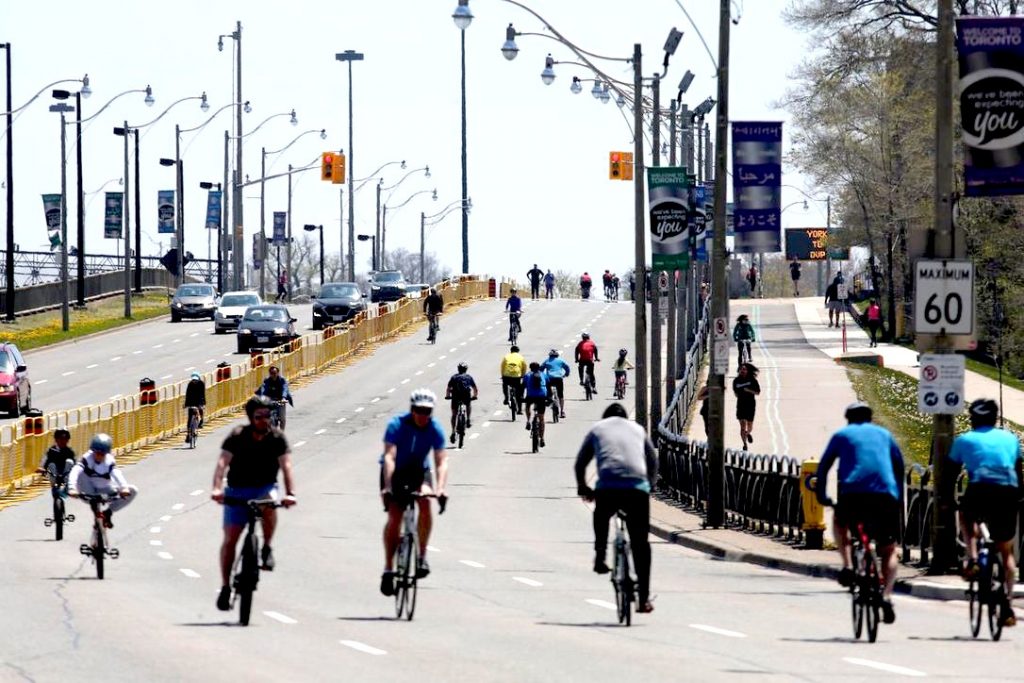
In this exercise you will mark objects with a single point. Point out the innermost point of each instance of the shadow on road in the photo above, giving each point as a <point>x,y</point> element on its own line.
<point>581,624</point>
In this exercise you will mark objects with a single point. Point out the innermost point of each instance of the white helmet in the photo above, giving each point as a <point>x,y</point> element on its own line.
<point>422,398</point>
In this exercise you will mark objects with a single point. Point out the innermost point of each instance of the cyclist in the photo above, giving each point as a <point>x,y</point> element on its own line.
<point>870,492</point>
<point>557,370</point>
<point>632,286</point>
<point>586,356</point>
<point>59,458</point>
<point>615,286</point>
<point>195,397</point>
<point>743,335</point>
<point>275,387</point>
<point>97,473</point>
<point>513,367</point>
<point>606,281</point>
<point>585,284</point>
<point>251,456</point>
<point>535,275</point>
<point>405,469</point>
<point>992,458</point>
<point>549,285</point>
<point>620,366</point>
<point>627,468</point>
<point>461,390</point>
<point>514,307</point>
<point>433,306</point>
<point>746,389</point>
<point>536,384</point>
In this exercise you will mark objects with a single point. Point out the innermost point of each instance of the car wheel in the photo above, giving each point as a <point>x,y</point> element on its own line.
<point>28,402</point>
<point>218,330</point>
<point>175,318</point>
<point>15,410</point>
<point>243,348</point>
<point>317,326</point>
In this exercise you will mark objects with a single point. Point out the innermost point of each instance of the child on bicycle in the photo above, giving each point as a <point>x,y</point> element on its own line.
<point>620,366</point>
<point>743,335</point>
<point>58,459</point>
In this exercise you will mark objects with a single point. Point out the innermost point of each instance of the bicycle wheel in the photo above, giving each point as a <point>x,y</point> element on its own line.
<point>411,581</point>
<point>247,578</point>
<point>975,607</point>
<point>556,405</point>
<point>192,429</point>
<point>402,560</point>
<point>625,587</point>
<point>996,595</point>
<point>872,594</point>
<point>58,517</point>
<point>588,389</point>
<point>513,405</point>
<point>534,434</point>
<point>857,596</point>
<point>460,426</point>
<point>99,549</point>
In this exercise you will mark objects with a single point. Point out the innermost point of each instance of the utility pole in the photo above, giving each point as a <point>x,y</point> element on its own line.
<point>720,301</point>
<point>670,332</point>
<point>238,243</point>
<point>640,245</point>
<point>288,248</point>
<point>80,202</point>
<point>656,377</point>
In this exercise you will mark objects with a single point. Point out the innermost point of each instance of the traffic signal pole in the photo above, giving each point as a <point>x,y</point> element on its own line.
<point>640,245</point>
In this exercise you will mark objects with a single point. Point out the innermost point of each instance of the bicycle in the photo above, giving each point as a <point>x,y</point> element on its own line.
<point>247,565</point>
<point>461,419</point>
<point>866,589</point>
<point>589,383</point>
<point>622,579</point>
<point>535,430</point>
<point>988,588</point>
<point>434,327</point>
<point>513,402</point>
<point>406,558</point>
<point>193,426</point>
<point>58,489</point>
<point>744,351</point>
<point>514,328</point>
<point>99,547</point>
<point>275,414</point>
<point>620,386</point>
<point>556,404</point>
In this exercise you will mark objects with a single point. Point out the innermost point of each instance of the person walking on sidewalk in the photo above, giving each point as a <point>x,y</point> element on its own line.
<point>834,305</point>
<point>627,468</point>
<point>874,318</point>
<point>993,462</point>
<point>870,493</point>
<point>794,273</point>
<point>746,388</point>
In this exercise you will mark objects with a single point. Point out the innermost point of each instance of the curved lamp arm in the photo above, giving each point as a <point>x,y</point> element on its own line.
<point>169,107</point>
<point>149,95</point>
<point>372,176</point>
<point>212,117</point>
<point>84,80</point>
<point>415,170</point>
<point>323,135</point>
<point>451,208</point>
<point>272,116</point>
<point>564,40</point>
<point>410,198</point>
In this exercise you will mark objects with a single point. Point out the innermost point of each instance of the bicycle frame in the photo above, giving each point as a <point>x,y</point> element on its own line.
<point>987,591</point>
<point>622,579</point>
<point>866,590</point>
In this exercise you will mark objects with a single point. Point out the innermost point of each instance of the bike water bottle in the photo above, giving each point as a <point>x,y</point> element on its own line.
<point>983,558</point>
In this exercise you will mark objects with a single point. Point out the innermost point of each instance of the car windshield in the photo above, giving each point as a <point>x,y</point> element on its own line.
<point>240,300</point>
<point>338,291</point>
<point>277,315</point>
<point>195,290</point>
<point>387,277</point>
<point>6,364</point>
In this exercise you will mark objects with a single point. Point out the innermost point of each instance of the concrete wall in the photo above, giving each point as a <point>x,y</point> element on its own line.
<point>46,296</point>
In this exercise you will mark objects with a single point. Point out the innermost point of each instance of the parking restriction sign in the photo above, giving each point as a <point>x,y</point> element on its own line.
<point>940,388</point>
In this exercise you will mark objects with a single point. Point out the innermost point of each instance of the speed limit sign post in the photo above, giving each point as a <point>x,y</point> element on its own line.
<point>943,299</point>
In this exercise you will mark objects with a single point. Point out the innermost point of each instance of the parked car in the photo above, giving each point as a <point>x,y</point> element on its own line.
<point>387,285</point>
<point>194,301</point>
<point>266,326</point>
<point>336,303</point>
<point>416,291</point>
<point>231,309</point>
<point>15,387</point>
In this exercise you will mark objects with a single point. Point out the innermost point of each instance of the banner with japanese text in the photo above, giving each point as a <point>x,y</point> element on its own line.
<point>668,197</point>
<point>113,215</point>
<point>757,186</point>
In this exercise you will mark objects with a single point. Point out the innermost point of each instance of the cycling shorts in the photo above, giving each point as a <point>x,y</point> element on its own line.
<point>238,515</point>
<point>878,512</point>
<point>457,400</point>
<point>538,402</point>
<point>994,504</point>
<point>406,481</point>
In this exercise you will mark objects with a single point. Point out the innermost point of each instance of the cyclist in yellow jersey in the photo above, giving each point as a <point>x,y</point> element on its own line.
<point>513,367</point>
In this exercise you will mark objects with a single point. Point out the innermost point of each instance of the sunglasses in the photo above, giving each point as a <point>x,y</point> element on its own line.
<point>261,415</point>
<point>419,410</point>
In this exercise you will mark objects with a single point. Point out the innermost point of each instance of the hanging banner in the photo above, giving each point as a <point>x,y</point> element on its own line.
<point>757,185</point>
<point>698,221</point>
<point>113,217</point>
<point>668,195</point>
<point>280,237</point>
<point>51,210</point>
<point>991,55</point>
<point>213,207</point>
<point>257,252</point>
<point>165,211</point>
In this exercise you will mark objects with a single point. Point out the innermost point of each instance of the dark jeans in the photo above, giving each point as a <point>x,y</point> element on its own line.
<point>873,326</point>
<point>636,505</point>
<point>588,366</point>
<point>517,384</point>
<point>549,291</point>
<point>535,289</point>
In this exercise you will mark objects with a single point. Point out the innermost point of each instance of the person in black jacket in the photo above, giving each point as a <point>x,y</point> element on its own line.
<point>195,396</point>
<point>59,458</point>
<point>535,275</point>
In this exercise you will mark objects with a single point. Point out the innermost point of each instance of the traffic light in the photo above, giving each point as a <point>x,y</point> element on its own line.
<point>327,165</point>
<point>614,166</point>
<point>338,174</point>
<point>627,165</point>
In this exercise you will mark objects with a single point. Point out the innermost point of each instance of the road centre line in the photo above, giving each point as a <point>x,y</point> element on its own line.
<point>430,365</point>
<point>319,432</point>
<point>135,353</point>
<point>154,529</point>
<point>392,390</point>
<point>158,346</point>
<point>156,542</point>
<point>360,409</point>
<point>196,492</point>
<point>90,367</point>
<point>189,572</point>
<point>405,381</point>
<point>472,563</point>
<point>602,603</point>
<point>452,350</point>
<point>166,376</point>
<point>882,666</point>
<point>488,423</point>
<point>419,372</point>
<point>165,556</point>
<point>363,647</point>
<point>527,582</point>
<point>300,444</point>
<point>443,357</point>
<point>433,549</point>
<point>177,506</point>
<point>210,360</point>
<point>374,399</point>
<point>718,631</point>
<point>114,397</point>
<point>69,372</point>
<point>194,334</point>
<point>340,420</point>
<point>498,412</point>
<point>175,341</point>
<point>277,616</point>
<point>115,359</point>
<point>191,367</point>
<point>474,435</point>
<point>42,381</point>
<point>166,518</point>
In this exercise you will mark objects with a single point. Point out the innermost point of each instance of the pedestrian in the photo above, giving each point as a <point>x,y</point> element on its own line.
<point>282,286</point>
<point>549,285</point>
<point>874,317</point>
<point>702,396</point>
<point>794,273</point>
<point>632,286</point>
<point>752,278</point>
<point>535,275</point>
<point>746,389</point>
<point>832,302</point>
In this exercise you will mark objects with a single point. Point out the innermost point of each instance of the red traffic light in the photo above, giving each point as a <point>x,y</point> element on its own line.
<point>328,159</point>
<point>615,157</point>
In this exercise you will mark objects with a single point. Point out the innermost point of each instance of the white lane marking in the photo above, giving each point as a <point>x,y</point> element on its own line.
<point>283,618</point>
<point>135,353</point>
<point>499,412</point>
<point>190,573</point>
<point>194,334</point>
<point>319,432</point>
<point>374,399</point>
<point>462,344</point>
<point>363,647</point>
<point>392,390</point>
<point>487,424</point>
<point>69,372</point>
<point>565,346</point>
<point>158,346</point>
<point>166,376</point>
<point>165,555</point>
<point>718,631</point>
<point>489,326</point>
<point>177,506</point>
<point>42,381</point>
<point>191,367</point>
<point>115,359</point>
<point>443,357</point>
<point>474,435</point>
<point>430,365</point>
<point>300,444</point>
<point>210,360</point>
<point>528,582</point>
<point>90,367</point>
<point>196,492</point>
<point>452,350</point>
<point>360,409</point>
<point>340,420</point>
<point>602,603</point>
<point>882,666</point>
<point>154,529</point>
<point>405,381</point>
<point>433,549</point>
<point>472,563</point>
<point>156,542</point>
<point>419,372</point>
<point>175,341</point>
<point>166,518</point>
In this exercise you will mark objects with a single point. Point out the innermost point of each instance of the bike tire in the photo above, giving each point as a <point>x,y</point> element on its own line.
<point>514,407</point>
<point>401,574</point>
<point>588,390</point>
<point>411,581</point>
<point>58,518</point>
<point>556,408</point>
<point>248,576</point>
<point>872,595</point>
<point>975,608</point>
<point>627,588</point>
<point>534,436</point>
<point>99,551</point>
<point>995,590</point>
<point>460,429</point>
<point>871,616</point>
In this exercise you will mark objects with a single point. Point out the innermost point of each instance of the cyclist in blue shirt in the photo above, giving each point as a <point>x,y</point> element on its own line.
<point>514,307</point>
<point>405,469</point>
<point>993,462</point>
<point>870,490</point>
<point>557,370</point>
<point>536,385</point>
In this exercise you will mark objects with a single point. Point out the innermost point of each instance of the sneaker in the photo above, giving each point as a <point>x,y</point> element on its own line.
<point>469,425</point>
<point>750,438</point>
<point>888,614</point>
<point>108,517</point>
<point>542,443</point>
<point>601,567</point>
<point>562,416</point>
<point>645,607</point>
<point>970,570</point>
<point>422,568</point>
<point>505,401</point>
<point>527,426</point>
<point>1007,616</point>
<point>387,583</point>
<point>744,445</point>
<point>451,439</point>
<point>224,599</point>
<point>845,577</point>
<point>268,558</point>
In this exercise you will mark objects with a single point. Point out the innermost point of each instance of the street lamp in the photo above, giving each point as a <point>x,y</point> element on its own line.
<point>434,219</point>
<point>350,56</point>
<point>381,239</point>
<point>179,224</point>
<point>311,228</point>
<point>384,215</point>
<point>65,316</point>
<point>463,17</point>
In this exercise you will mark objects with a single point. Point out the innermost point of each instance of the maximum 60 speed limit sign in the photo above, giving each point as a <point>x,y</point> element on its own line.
<point>944,297</point>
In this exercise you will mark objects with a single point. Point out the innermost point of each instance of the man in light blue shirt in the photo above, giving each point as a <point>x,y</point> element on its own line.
<point>557,370</point>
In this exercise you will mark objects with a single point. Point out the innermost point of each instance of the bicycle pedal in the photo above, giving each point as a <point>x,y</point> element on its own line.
<point>113,553</point>
<point>47,522</point>
<point>85,549</point>
<point>69,518</point>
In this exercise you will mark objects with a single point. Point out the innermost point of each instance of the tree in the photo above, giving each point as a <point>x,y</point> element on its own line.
<point>408,263</point>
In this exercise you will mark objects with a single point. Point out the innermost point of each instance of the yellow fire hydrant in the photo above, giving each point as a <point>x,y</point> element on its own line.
<point>814,512</point>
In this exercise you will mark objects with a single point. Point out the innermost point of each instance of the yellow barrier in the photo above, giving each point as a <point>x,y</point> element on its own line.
<point>133,425</point>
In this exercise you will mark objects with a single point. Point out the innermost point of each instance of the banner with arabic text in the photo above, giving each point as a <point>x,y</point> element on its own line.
<point>757,185</point>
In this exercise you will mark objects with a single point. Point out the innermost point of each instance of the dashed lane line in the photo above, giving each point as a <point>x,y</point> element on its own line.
<point>602,603</point>
<point>156,542</point>
<point>433,549</point>
<point>190,573</point>
<point>42,381</point>
<point>452,350</point>
<point>163,555</point>
<point>68,373</point>
<point>154,529</point>
<point>319,432</point>
<point>474,435</point>
<point>166,376</point>
<point>177,506</point>
<point>882,666</point>
<point>340,420</point>
<point>431,364</point>
<point>405,381</point>
<point>472,563</point>
<point>363,647</point>
<point>718,631</point>
<point>527,582</point>
<point>194,334</point>
<point>90,367</point>
<point>197,492</point>
<point>283,618</point>
<point>136,353</point>
<point>115,359</point>
<point>158,346</point>
<point>300,444</point>
<point>360,409</point>
<point>392,390</point>
<point>374,399</point>
<point>488,423</point>
<point>419,372</point>
<point>166,518</point>
<point>443,357</point>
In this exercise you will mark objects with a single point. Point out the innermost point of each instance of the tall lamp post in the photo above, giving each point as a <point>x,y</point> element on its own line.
<point>381,241</point>
<point>434,219</point>
<point>384,215</point>
<point>310,228</point>
<point>209,185</point>
<point>65,315</point>
<point>237,241</point>
<point>463,17</point>
<point>350,56</point>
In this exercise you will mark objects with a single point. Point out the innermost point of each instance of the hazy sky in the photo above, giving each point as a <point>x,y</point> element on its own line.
<point>537,154</point>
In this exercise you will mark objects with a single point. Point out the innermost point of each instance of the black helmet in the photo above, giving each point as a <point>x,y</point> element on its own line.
<point>553,353</point>
<point>462,366</point>
<point>858,412</point>
<point>623,352</point>
<point>254,403</point>
<point>984,412</point>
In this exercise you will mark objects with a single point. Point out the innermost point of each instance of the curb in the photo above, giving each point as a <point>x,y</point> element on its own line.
<point>94,335</point>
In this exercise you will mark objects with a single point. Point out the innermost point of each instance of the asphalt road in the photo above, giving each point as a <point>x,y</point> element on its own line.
<point>511,596</point>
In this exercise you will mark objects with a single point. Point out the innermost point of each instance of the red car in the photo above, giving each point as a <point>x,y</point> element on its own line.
<point>15,387</point>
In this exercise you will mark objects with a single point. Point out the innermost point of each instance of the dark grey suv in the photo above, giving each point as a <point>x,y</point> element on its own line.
<point>387,285</point>
<point>336,303</point>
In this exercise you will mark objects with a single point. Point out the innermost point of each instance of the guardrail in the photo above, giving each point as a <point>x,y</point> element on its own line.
<point>141,419</point>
